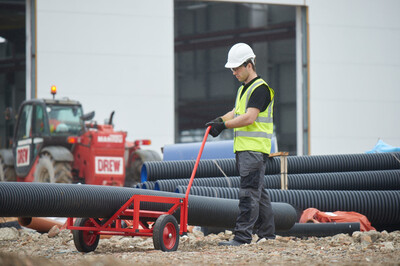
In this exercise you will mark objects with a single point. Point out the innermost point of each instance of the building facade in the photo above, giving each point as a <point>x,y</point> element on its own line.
<point>159,64</point>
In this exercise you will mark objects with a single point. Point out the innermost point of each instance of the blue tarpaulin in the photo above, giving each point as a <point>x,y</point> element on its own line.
<point>383,147</point>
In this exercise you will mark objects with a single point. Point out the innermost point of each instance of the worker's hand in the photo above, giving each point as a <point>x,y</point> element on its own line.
<point>216,127</point>
<point>216,120</point>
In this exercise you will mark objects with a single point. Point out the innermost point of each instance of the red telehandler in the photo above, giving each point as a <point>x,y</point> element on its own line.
<point>55,142</point>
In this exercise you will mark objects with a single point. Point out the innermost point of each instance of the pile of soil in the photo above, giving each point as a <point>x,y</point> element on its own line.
<point>28,247</point>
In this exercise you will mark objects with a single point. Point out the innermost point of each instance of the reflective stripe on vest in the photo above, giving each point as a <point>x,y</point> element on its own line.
<point>257,136</point>
<point>253,134</point>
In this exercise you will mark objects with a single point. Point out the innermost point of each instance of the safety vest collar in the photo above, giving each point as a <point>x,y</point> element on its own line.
<point>255,84</point>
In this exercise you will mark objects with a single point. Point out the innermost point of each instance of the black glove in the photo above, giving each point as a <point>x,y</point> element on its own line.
<point>217,125</point>
<point>216,120</point>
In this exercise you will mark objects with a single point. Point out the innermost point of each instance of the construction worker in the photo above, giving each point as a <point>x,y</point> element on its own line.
<point>252,122</point>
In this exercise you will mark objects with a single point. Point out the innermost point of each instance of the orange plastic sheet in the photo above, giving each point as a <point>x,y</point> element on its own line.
<point>315,216</point>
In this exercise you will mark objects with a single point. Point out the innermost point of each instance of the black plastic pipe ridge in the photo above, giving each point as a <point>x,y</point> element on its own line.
<point>304,230</point>
<point>320,229</point>
<point>70,200</point>
<point>148,185</point>
<point>156,170</point>
<point>380,207</point>
<point>361,180</point>
<point>171,184</point>
<point>365,180</point>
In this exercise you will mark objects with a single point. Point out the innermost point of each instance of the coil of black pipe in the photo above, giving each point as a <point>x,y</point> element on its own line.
<point>363,180</point>
<point>69,200</point>
<point>320,229</point>
<point>156,170</point>
<point>380,207</point>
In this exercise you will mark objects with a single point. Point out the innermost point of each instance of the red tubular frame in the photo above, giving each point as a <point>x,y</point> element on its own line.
<point>113,225</point>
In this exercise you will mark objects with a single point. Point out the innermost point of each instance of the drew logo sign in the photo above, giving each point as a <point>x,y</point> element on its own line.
<point>109,165</point>
<point>23,156</point>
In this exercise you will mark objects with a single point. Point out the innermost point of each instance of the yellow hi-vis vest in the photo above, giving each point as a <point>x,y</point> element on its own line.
<point>257,136</point>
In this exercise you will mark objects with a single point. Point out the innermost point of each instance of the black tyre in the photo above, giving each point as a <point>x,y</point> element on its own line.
<point>62,172</point>
<point>85,241</point>
<point>7,173</point>
<point>49,171</point>
<point>166,233</point>
<point>135,164</point>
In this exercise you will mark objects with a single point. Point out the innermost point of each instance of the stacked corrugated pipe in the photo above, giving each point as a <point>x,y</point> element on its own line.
<point>364,183</point>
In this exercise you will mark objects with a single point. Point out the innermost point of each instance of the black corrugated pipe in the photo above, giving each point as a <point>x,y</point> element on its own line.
<point>381,207</point>
<point>171,184</point>
<point>70,200</point>
<point>148,185</point>
<point>365,180</point>
<point>159,170</point>
<point>156,170</point>
<point>215,192</point>
<point>304,230</point>
<point>320,229</point>
<point>362,180</point>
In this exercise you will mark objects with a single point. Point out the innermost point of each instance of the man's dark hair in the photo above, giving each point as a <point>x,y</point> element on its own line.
<point>251,61</point>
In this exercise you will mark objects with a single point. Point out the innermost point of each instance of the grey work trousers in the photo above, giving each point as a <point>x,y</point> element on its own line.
<point>256,214</point>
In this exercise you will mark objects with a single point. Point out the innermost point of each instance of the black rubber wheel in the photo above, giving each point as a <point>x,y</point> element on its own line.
<point>166,233</point>
<point>7,173</point>
<point>135,164</point>
<point>85,241</point>
<point>49,171</point>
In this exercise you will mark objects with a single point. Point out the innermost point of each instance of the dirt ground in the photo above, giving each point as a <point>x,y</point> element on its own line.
<point>28,247</point>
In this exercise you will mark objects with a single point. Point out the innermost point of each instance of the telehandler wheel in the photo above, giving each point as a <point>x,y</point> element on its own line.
<point>62,171</point>
<point>48,171</point>
<point>7,173</point>
<point>85,241</point>
<point>135,164</point>
<point>166,233</point>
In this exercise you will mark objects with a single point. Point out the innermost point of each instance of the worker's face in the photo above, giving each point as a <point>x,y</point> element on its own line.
<point>241,72</point>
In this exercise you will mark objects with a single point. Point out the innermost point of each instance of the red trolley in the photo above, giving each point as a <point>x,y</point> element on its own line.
<point>165,231</point>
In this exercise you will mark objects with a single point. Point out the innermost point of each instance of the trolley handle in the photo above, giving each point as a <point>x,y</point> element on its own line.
<point>197,162</point>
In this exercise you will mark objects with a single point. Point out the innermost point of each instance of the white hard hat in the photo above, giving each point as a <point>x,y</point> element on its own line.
<point>238,54</point>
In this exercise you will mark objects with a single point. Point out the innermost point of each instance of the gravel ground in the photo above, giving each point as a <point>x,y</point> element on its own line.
<point>27,247</point>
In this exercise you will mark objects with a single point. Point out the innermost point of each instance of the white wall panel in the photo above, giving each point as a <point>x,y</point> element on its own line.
<point>111,56</point>
<point>119,56</point>
<point>354,75</point>
<point>357,13</point>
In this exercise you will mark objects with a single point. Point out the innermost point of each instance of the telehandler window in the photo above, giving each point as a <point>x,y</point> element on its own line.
<point>64,119</point>
<point>40,125</point>
<point>25,123</point>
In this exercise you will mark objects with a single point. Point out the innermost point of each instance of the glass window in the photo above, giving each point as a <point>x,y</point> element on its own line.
<point>25,123</point>
<point>205,89</point>
<point>12,65</point>
<point>64,119</point>
<point>40,128</point>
